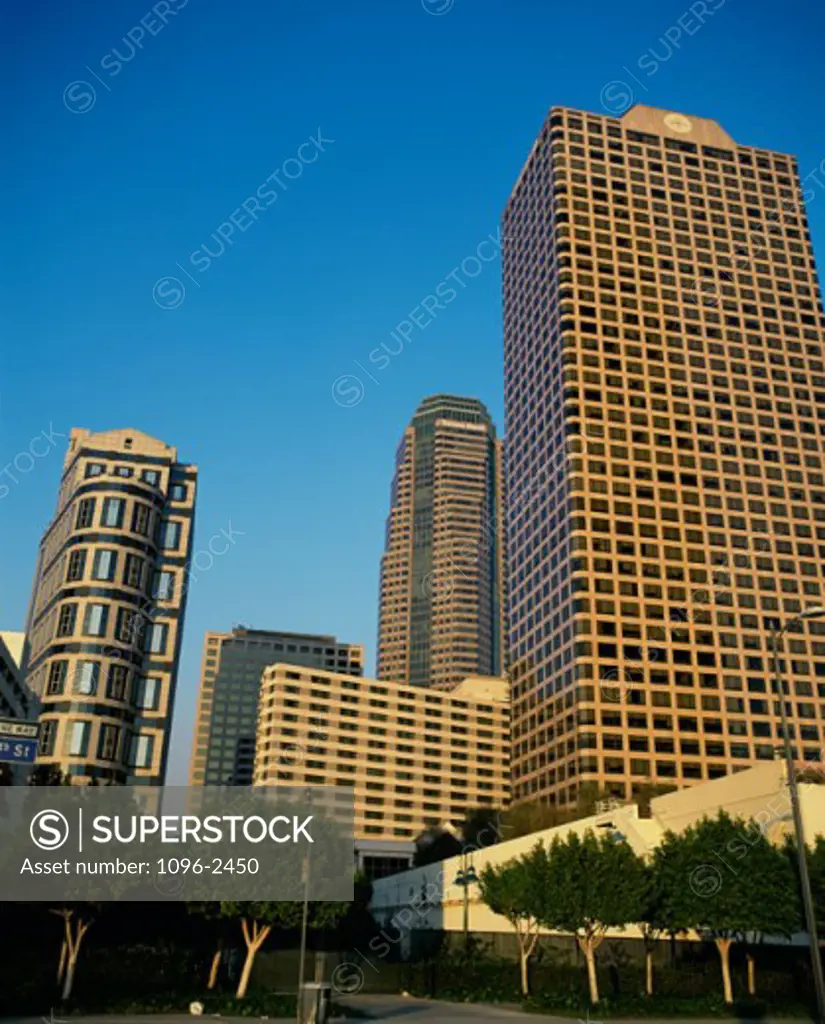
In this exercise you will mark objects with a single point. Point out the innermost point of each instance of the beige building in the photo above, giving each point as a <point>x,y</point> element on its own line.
<point>441,601</point>
<point>665,389</point>
<point>758,794</point>
<point>223,751</point>
<point>107,608</point>
<point>16,700</point>
<point>414,757</point>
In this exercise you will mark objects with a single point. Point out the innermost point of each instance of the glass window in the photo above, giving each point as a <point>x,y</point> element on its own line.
<point>57,677</point>
<point>94,469</point>
<point>66,620</point>
<point>141,750</point>
<point>170,536</point>
<point>147,693</point>
<point>141,518</point>
<point>48,734</point>
<point>117,682</point>
<point>177,492</point>
<point>112,514</point>
<point>133,572</point>
<point>77,565</point>
<point>104,565</point>
<point>77,738</point>
<point>107,745</point>
<point>85,677</point>
<point>95,619</point>
<point>156,636</point>
<point>151,477</point>
<point>163,588</point>
<point>125,471</point>
<point>85,514</point>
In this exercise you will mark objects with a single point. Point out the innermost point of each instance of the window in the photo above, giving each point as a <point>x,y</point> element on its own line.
<point>163,587</point>
<point>85,514</point>
<point>77,565</point>
<point>48,734</point>
<point>133,572</point>
<point>156,636</point>
<point>147,693</point>
<point>141,518</point>
<point>56,678</point>
<point>117,682</point>
<point>177,492</point>
<point>104,565</point>
<point>129,625</point>
<point>66,619</point>
<point>170,536</point>
<point>77,738</point>
<point>94,469</point>
<point>86,675</point>
<point>95,619</point>
<point>151,477</point>
<point>108,743</point>
<point>141,750</point>
<point>112,513</point>
<point>124,471</point>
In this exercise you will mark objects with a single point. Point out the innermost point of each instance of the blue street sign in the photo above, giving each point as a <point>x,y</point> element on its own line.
<point>18,751</point>
<point>18,740</point>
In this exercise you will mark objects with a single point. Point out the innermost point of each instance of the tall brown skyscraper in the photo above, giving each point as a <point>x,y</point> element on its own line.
<point>106,615</point>
<point>440,617</point>
<point>665,401</point>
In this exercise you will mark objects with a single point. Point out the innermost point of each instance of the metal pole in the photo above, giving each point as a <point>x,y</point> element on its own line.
<point>302,958</point>
<point>801,849</point>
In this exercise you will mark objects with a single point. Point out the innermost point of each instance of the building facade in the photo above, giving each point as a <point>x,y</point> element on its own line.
<point>665,408</point>
<point>223,751</point>
<point>16,700</point>
<point>441,599</point>
<point>107,609</point>
<point>414,757</point>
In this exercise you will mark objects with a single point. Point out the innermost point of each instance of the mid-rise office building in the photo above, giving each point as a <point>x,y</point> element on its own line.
<point>665,394</point>
<point>16,700</point>
<point>223,751</point>
<point>441,602</point>
<point>415,758</point>
<point>107,609</point>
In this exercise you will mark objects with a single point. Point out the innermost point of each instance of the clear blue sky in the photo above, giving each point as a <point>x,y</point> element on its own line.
<point>432,115</point>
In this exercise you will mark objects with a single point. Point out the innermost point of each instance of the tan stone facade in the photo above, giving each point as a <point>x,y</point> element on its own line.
<point>441,601</point>
<point>223,751</point>
<point>414,757</point>
<point>665,404</point>
<point>107,608</point>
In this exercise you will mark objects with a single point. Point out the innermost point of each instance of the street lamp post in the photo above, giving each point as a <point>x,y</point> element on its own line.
<point>801,850</point>
<point>465,878</point>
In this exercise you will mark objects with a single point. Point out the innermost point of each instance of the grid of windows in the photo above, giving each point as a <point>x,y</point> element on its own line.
<point>665,396</point>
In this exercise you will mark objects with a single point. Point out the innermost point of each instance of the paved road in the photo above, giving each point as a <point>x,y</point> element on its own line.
<point>408,1010</point>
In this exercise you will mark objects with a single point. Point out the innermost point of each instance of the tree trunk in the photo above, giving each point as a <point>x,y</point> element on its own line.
<point>213,970</point>
<point>61,966</point>
<point>68,981</point>
<point>751,974</point>
<point>649,971</point>
<point>588,947</point>
<point>254,941</point>
<point>525,979</point>
<point>723,945</point>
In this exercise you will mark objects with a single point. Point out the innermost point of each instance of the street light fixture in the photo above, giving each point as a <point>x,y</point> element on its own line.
<point>777,633</point>
<point>465,878</point>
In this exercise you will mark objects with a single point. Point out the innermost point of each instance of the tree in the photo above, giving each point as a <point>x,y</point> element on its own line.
<point>77,919</point>
<point>47,775</point>
<point>515,890</point>
<point>258,919</point>
<point>740,888</point>
<point>593,883</point>
<point>481,827</point>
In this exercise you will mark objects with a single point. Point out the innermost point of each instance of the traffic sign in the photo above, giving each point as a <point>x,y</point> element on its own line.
<point>18,740</point>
